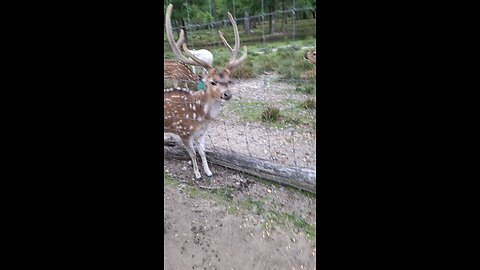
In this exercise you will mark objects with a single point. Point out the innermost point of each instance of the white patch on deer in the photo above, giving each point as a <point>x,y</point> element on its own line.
<point>215,109</point>
<point>205,109</point>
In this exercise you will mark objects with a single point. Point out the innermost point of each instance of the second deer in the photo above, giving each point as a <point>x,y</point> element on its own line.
<point>311,56</point>
<point>178,70</point>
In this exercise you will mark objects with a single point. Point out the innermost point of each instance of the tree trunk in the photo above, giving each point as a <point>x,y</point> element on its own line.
<point>226,21</point>
<point>214,14</point>
<point>246,24</point>
<point>284,18</point>
<point>271,23</point>
<point>301,178</point>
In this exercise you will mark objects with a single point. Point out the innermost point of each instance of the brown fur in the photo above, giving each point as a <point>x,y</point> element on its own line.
<point>311,56</point>
<point>178,71</point>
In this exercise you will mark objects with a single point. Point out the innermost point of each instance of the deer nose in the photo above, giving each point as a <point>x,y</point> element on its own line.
<point>305,56</point>
<point>227,95</point>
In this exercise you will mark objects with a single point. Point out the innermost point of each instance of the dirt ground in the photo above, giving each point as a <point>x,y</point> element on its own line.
<point>233,221</point>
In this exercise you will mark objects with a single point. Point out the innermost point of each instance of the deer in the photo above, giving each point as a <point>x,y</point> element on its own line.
<point>189,114</point>
<point>311,56</point>
<point>204,55</point>
<point>178,70</point>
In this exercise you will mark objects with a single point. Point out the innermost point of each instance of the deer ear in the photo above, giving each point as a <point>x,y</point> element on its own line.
<point>212,72</point>
<point>225,73</point>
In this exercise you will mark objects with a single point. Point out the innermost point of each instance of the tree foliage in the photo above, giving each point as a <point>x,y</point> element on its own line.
<point>206,11</point>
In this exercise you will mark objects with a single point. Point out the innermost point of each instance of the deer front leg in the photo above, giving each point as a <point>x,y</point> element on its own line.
<point>201,151</point>
<point>191,151</point>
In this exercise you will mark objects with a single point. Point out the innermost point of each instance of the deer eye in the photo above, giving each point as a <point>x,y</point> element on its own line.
<point>213,83</point>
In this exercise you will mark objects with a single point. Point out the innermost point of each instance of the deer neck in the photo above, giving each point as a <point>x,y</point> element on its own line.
<point>211,107</point>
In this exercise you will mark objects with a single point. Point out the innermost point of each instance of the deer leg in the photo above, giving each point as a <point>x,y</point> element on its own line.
<point>201,151</point>
<point>191,151</point>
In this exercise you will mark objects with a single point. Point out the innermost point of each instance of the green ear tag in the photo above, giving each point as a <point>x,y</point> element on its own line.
<point>200,85</point>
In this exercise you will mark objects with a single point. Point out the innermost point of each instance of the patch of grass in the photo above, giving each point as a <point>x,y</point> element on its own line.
<point>292,114</point>
<point>309,229</point>
<point>310,104</point>
<point>308,88</point>
<point>275,218</point>
<point>232,210</point>
<point>223,194</point>
<point>168,180</point>
<point>271,114</point>
<point>249,204</point>
<point>194,192</point>
<point>283,57</point>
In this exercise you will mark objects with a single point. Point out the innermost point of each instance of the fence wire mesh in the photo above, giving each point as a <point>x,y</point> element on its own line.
<point>272,114</point>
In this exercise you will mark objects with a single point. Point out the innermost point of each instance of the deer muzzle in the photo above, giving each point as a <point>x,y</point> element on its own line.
<point>227,95</point>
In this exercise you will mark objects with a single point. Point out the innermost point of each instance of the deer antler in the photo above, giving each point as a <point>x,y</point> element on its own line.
<point>181,39</point>
<point>233,52</point>
<point>194,58</point>
<point>175,46</point>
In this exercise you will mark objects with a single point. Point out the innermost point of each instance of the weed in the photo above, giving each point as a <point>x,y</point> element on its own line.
<point>271,114</point>
<point>310,103</point>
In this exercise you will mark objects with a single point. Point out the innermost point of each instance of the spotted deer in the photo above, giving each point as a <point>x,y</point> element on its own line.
<point>311,56</point>
<point>189,114</point>
<point>178,70</point>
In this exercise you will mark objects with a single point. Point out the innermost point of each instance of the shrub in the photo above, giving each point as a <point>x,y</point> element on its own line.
<point>271,114</point>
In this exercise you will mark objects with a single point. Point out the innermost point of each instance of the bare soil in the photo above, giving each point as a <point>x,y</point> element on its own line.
<point>207,230</point>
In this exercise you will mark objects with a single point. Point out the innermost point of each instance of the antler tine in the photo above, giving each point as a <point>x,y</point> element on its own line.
<point>233,57</point>
<point>224,41</point>
<point>199,62</point>
<point>235,32</point>
<point>181,39</point>
<point>234,51</point>
<point>173,45</point>
<point>233,63</point>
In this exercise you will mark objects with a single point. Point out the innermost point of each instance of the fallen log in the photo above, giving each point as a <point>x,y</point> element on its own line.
<point>301,178</point>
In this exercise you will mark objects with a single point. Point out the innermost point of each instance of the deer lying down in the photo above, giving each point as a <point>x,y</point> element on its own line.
<point>178,70</point>
<point>189,114</point>
<point>204,55</point>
